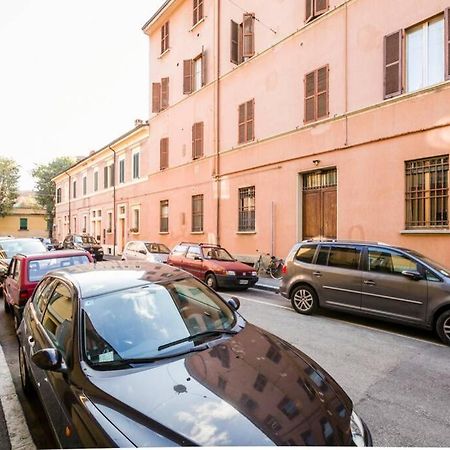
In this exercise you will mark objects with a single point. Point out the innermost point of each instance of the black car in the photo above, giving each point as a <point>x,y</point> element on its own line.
<point>145,355</point>
<point>84,242</point>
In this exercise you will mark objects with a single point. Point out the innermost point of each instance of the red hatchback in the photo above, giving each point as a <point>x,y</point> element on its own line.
<point>25,272</point>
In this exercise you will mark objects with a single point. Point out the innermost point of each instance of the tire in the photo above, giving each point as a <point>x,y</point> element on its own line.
<point>27,385</point>
<point>443,327</point>
<point>211,281</point>
<point>304,300</point>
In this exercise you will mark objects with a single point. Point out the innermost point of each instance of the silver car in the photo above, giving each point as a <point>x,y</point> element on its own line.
<point>145,251</point>
<point>370,279</point>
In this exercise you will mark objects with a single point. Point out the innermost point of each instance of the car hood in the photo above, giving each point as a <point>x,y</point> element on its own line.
<point>236,266</point>
<point>250,389</point>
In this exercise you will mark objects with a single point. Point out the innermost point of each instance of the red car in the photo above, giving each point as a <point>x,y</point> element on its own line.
<point>25,272</point>
<point>213,265</point>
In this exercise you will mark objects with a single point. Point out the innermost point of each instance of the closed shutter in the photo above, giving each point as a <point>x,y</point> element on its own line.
<point>200,10</point>
<point>322,92</point>
<point>188,78</point>
<point>393,64</point>
<point>310,96</point>
<point>203,67</point>
<point>197,140</point>
<point>194,141</point>
<point>242,115</point>
<point>164,153</point>
<point>309,10</point>
<point>156,97</point>
<point>164,93</point>
<point>320,6</point>
<point>249,35</point>
<point>447,43</point>
<point>250,120</point>
<point>234,48</point>
<point>105,177</point>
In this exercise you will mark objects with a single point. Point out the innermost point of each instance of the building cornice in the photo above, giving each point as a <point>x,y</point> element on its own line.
<point>160,11</point>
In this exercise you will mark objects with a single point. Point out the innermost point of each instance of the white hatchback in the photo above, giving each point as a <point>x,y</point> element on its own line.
<point>145,251</point>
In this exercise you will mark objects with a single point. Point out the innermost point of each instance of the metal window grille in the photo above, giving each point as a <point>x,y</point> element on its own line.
<point>427,193</point>
<point>319,179</point>
<point>164,216</point>
<point>247,209</point>
<point>197,213</point>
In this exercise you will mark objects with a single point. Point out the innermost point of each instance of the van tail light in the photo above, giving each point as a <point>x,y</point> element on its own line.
<point>284,269</point>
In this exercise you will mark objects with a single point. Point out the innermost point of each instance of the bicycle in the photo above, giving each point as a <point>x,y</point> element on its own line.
<point>273,268</point>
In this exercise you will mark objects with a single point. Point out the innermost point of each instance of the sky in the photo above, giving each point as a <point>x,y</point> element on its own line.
<point>73,76</point>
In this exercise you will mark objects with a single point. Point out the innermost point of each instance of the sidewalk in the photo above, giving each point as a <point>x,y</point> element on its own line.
<point>268,284</point>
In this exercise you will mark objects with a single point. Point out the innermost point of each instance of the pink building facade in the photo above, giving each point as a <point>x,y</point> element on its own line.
<point>272,122</point>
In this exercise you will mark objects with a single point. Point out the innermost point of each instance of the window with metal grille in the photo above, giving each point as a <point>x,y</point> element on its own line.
<point>427,193</point>
<point>247,209</point>
<point>319,179</point>
<point>197,213</point>
<point>164,216</point>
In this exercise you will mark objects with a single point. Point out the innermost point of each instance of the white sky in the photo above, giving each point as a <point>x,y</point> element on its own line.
<point>73,76</point>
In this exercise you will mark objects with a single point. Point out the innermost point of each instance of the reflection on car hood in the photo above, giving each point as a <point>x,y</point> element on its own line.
<point>251,389</point>
<point>232,265</point>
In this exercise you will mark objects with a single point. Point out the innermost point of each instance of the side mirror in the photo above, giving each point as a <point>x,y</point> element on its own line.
<point>412,274</point>
<point>234,303</point>
<point>144,252</point>
<point>198,258</point>
<point>49,359</point>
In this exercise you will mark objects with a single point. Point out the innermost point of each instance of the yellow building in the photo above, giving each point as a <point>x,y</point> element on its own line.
<point>26,219</point>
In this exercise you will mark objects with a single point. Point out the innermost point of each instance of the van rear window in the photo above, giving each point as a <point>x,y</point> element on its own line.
<point>305,253</point>
<point>40,267</point>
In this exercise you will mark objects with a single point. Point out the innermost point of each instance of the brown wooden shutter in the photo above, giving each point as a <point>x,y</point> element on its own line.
<point>194,140</point>
<point>156,97</point>
<point>240,43</point>
<point>163,40</point>
<point>249,35</point>
<point>322,92</point>
<point>309,10</point>
<point>188,76</point>
<point>310,97</point>
<point>200,139</point>
<point>164,153</point>
<point>164,93</point>
<point>447,43</point>
<point>200,10</point>
<point>167,35</point>
<point>320,6</point>
<point>234,48</point>
<point>204,67</point>
<point>195,12</point>
<point>241,123</point>
<point>393,64</point>
<point>250,128</point>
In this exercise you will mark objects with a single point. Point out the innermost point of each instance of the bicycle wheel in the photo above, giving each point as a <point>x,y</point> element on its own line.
<point>276,271</point>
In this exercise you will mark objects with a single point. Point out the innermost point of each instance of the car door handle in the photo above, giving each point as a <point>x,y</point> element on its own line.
<point>317,274</point>
<point>369,282</point>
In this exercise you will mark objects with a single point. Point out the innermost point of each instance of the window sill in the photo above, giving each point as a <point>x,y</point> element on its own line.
<point>163,232</point>
<point>429,232</point>
<point>197,232</point>
<point>246,232</point>
<point>164,53</point>
<point>197,24</point>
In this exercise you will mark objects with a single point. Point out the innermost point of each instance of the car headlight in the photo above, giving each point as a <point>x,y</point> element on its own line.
<point>254,274</point>
<point>357,429</point>
<point>231,272</point>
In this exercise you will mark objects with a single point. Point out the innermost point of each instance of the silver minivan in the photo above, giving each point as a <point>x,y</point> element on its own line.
<point>371,279</point>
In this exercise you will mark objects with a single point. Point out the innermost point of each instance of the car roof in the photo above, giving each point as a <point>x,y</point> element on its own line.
<point>53,255</point>
<point>343,241</point>
<point>104,277</point>
<point>200,244</point>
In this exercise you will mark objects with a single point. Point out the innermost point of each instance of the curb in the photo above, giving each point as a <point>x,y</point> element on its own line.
<point>267,287</point>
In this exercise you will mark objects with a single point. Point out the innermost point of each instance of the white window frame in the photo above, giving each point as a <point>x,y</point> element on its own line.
<point>136,225</point>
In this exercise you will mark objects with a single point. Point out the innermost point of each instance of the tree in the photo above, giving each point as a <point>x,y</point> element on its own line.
<point>9,179</point>
<point>45,187</point>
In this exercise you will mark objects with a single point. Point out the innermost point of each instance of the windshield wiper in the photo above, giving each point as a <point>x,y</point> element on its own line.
<point>195,336</point>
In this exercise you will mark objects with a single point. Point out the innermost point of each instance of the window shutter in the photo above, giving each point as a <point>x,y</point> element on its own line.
<point>240,43</point>
<point>188,72</point>
<point>164,93</point>
<point>320,6</point>
<point>203,67</point>
<point>309,10</point>
<point>105,177</point>
<point>195,12</point>
<point>164,153</point>
<point>234,49</point>
<point>249,35</point>
<point>322,92</point>
<point>242,115</point>
<point>447,43</point>
<point>200,10</point>
<point>194,140</point>
<point>167,35</point>
<point>393,64</point>
<point>310,96</point>
<point>156,97</point>
<point>250,120</point>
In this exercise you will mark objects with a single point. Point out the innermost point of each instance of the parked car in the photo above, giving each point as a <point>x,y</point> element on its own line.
<point>370,279</point>
<point>145,251</point>
<point>145,355</point>
<point>10,247</point>
<point>50,243</point>
<point>213,264</point>
<point>84,242</point>
<point>25,271</point>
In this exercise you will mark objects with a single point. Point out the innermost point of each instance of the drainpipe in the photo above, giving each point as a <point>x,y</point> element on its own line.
<point>70,195</point>
<point>217,123</point>
<point>114,201</point>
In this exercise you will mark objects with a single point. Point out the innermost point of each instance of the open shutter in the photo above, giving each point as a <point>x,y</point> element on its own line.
<point>167,35</point>
<point>156,97</point>
<point>188,78</point>
<point>164,93</point>
<point>393,64</point>
<point>320,6</point>
<point>310,97</point>
<point>447,43</point>
<point>204,66</point>
<point>250,126</point>
<point>249,35</point>
<point>234,46</point>
<point>200,139</point>
<point>195,12</point>
<point>309,10</point>
<point>241,124</point>
<point>322,92</point>
<point>200,10</point>
<point>194,140</point>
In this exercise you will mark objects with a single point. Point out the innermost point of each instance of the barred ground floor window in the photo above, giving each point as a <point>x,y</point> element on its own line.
<point>247,209</point>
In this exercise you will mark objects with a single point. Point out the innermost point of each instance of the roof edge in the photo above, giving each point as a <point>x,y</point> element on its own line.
<point>158,12</point>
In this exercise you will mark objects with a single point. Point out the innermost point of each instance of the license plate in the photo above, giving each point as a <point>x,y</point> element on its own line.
<point>243,281</point>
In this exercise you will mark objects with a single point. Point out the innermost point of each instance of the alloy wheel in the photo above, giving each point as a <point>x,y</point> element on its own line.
<point>303,299</point>
<point>446,327</point>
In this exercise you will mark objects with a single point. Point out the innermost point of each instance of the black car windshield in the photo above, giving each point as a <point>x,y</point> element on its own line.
<point>157,248</point>
<point>441,269</point>
<point>25,246</point>
<point>85,240</point>
<point>216,253</point>
<point>147,322</point>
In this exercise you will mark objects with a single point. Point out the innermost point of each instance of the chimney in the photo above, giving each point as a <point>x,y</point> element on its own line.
<point>138,122</point>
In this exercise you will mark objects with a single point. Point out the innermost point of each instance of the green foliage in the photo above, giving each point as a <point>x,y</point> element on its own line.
<point>9,179</point>
<point>45,187</point>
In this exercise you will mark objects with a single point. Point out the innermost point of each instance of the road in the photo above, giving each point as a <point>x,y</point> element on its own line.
<point>397,377</point>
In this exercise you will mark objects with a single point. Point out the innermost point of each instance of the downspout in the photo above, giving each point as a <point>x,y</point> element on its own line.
<point>346,74</point>
<point>70,196</point>
<point>114,201</point>
<point>217,123</point>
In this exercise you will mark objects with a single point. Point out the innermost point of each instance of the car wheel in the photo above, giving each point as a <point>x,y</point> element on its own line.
<point>211,281</point>
<point>304,299</point>
<point>443,327</point>
<point>6,304</point>
<point>25,380</point>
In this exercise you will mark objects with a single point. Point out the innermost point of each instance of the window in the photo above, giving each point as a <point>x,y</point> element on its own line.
<point>306,253</point>
<point>316,95</point>
<point>136,213</point>
<point>246,122</point>
<point>23,224</point>
<point>110,220</point>
<point>84,185</point>
<point>260,382</point>
<point>122,171</point>
<point>179,250</point>
<point>197,140</point>
<point>315,8</point>
<point>58,195</point>
<point>74,189</point>
<point>108,176</point>
<point>194,73</point>
<point>242,39</point>
<point>427,193</point>
<point>74,224</point>
<point>135,165</point>
<point>344,257</point>
<point>197,213</point>
<point>160,95</point>
<point>197,11</point>
<point>96,181</point>
<point>165,37</point>
<point>105,176</point>
<point>164,216</point>
<point>289,408</point>
<point>388,261</point>
<point>247,209</point>
<point>273,423</point>
<point>164,153</point>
